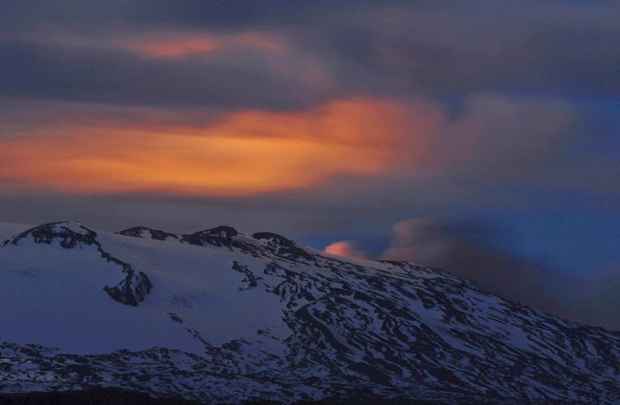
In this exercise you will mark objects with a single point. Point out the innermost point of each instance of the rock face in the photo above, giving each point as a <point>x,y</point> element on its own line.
<point>270,320</point>
<point>271,244</point>
<point>282,247</point>
<point>133,286</point>
<point>143,231</point>
<point>220,236</point>
<point>68,235</point>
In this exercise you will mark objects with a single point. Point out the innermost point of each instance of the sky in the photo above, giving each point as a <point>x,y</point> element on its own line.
<point>478,136</point>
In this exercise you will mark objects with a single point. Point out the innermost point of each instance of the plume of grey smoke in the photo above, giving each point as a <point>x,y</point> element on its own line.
<point>470,251</point>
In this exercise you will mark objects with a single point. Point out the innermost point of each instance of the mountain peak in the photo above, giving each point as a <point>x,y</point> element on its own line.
<point>219,236</point>
<point>257,244</point>
<point>69,234</point>
<point>140,231</point>
<point>222,231</point>
<point>283,246</point>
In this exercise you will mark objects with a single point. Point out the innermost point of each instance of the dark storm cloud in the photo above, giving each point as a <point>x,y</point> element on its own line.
<point>395,48</point>
<point>447,49</point>
<point>475,252</point>
<point>550,48</point>
<point>224,80</point>
<point>141,14</point>
<point>481,252</point>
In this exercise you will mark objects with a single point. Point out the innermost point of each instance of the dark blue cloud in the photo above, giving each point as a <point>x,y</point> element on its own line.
<point>395,48</point>
<point>224,80</point>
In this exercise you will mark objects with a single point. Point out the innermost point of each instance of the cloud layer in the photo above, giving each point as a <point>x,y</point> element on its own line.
<point>240,153</point>
<point>493,140</point>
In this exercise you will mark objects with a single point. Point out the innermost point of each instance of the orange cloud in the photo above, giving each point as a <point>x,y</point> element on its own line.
<point>172,47</point>
<point>243,153</point>
<point>346,249</point>
<point>191,44</point>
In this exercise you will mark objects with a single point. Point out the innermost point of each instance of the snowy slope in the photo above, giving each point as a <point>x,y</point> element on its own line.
<point>220,316</point>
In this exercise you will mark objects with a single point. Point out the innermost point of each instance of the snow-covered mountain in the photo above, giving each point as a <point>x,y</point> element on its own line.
<point>221,316</point>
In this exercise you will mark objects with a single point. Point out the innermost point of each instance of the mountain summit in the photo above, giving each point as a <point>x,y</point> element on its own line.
<point>220,316</point>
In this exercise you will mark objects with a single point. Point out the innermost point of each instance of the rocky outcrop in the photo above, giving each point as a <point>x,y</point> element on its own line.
<point>143,231</point>
<point>219,236</point>
<point>260,244</point>
<point>283,247</point>
<point>131,290</point>
<point>68,234</point>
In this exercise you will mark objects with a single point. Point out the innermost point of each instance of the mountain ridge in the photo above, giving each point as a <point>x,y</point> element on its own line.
<point>237,317</point>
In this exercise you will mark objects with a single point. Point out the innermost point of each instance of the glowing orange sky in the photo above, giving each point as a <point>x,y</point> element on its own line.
<point>242,153</point>
<point>182,45</point>
<point>174,45</point>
